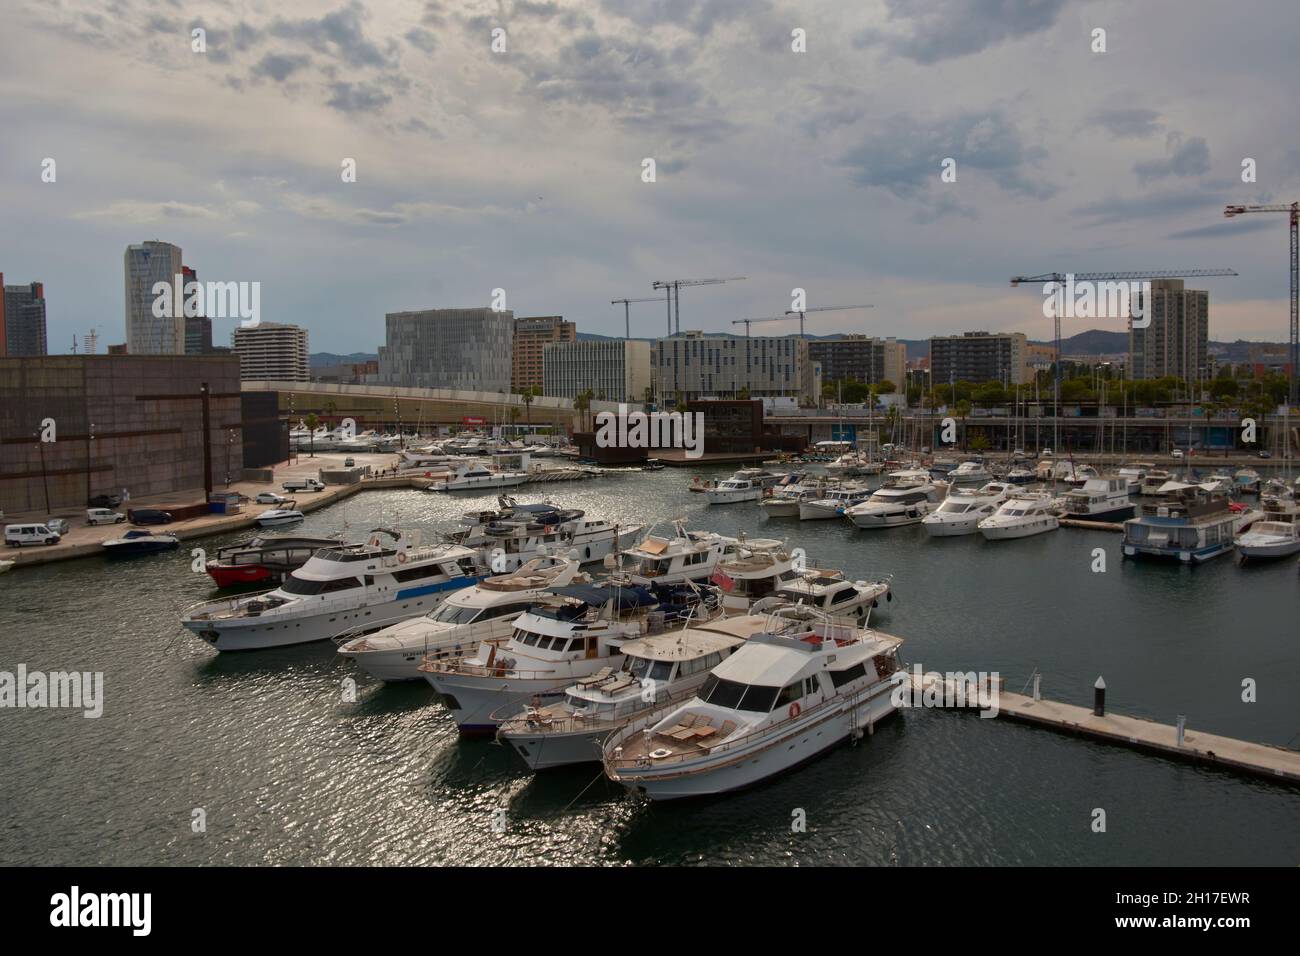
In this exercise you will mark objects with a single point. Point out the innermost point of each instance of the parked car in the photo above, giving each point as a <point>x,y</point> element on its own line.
<point>59,526</point>
<point>303,484</point>
<point>270,498</point>
<point>1175,453</point>
<point>104,516</point>
<point>349,463</point>
<point>105,501</point>
<point>1265,453</point>
<point>17,535</point>
<point>150,516</point>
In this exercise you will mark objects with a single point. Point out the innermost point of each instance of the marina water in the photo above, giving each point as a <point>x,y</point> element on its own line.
<point>263,749</point>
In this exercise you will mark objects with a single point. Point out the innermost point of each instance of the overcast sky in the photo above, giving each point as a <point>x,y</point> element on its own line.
<point>522,169</point>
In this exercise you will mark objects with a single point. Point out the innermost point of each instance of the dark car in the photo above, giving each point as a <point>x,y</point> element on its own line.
<point>1265,454</point>
<point>150,516</point>
<point>104,501</point>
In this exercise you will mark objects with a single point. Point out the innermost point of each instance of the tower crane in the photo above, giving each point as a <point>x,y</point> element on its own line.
<point>627,321</point>
<point>672,290</point>
<point>824,308</point>
<point>1294,210</point>
<point>1060,279</point>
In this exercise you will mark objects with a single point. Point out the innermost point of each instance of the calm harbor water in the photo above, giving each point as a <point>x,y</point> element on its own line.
<point>286,773</point>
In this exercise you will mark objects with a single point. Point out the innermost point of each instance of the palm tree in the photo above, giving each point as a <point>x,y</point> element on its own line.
<point>527,397</point>
<point>312,422</point>
<point>580,404</point>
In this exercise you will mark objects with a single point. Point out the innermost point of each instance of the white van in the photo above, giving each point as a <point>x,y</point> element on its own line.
<point>17,535</point>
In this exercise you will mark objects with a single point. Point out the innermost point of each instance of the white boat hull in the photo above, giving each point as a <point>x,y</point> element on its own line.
<point>729,497</point>
<point>1007,532</point>
<point>889,519</point>
<point>1280,548</point>
<point>745,766</point>
<point>473,699</point>
<point>545,752</point>
<point>954,528</point>
<point>817,511</point>
<point>780,509</point>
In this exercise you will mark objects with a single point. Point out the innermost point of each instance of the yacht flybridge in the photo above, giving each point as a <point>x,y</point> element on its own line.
<point>906,499</point>
<point>782,698</point>
<point>1098,499</point>
<point>830,593</point>
<point>687,556</point>
<point>571,633</point>
<point>962,511</point>
<point>486,611</point>
<point>386,579</point>
<point>754,572</point>
<point>656,672</point>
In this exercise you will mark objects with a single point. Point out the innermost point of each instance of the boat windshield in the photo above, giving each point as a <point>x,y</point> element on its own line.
<point>451,614</point>
<point>296,585</point>
<point>643,669</point>
<point>954,507</point>
<point>735,696</point>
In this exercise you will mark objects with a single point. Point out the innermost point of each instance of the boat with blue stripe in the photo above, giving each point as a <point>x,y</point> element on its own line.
<point>356,588</point>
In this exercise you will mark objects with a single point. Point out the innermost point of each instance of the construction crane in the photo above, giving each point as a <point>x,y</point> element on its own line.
<point>627,321</point>
<point>1294,210</point>
<point>824,308</point>
<point>1061,278</point>
<point>672,290</point>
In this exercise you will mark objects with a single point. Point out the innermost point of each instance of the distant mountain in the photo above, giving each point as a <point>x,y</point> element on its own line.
<point>1093,342</point>
<point>318,359</point>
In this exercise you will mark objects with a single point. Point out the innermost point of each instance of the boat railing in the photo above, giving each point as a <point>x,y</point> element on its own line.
<point>540,722</point>
<point>224,603</point>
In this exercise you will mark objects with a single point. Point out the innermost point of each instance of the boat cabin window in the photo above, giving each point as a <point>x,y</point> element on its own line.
<point>643,669</point>
<point>505,610</point>
<point>848,594</point>
<point>451,614</point>
<point>706,663</point>
<point>411,574</point>
<point>297,585</point>
<point>840,678</point>
<point>735,696</point>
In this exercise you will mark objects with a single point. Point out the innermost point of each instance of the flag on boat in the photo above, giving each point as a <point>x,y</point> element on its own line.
<point>721,579</point>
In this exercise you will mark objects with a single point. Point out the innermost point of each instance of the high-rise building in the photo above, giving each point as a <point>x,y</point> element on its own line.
<point>860,358</point>
<point>980,357</point>
<point>614,369</point>
<point>145,264</point>
<point>532,335</point>
<point>1176,340</point>
<point>198,328</point>
<point>24,319</point>
<point>695,365</point>
<point>466,349</point>
<point>273,352</point>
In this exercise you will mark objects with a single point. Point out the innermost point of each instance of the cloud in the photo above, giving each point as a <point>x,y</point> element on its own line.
<point>944,29</point>
<point>699,17</point>
<point>340,34</point>
<point>357,97</point>
<point>421,39</point>
<point>279,66</point>
<point>1190,158</point>
<point>1157,205</point>
<point>139,211</point>
<point>1221,230</point>
<point>1126,123</point>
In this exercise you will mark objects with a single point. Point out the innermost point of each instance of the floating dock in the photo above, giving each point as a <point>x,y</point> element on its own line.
<point>1174,741</point>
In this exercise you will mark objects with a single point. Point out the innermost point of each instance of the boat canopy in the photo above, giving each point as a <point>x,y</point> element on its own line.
<point>597,596</point>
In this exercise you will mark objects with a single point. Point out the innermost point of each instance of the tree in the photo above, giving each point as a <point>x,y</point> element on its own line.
<point>527,396</point>
<point>962,410</point>
<point>979,442</point>
<point>312,423</point>
<point>581,405</point>
<point>743,394</point>
<point>885,387</point>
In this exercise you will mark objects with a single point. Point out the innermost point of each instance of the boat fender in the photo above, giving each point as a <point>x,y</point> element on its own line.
<point>889,595</point>
<point>401,557</point>
<point>586,552</point>
<point>794,710</point>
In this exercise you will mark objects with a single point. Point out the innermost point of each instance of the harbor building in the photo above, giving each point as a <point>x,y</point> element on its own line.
<point>271,351</point>
<point>860,358</point>
<point>532,335</point>
<point>114,422</point>
<point>22,319</point>
<point>981,357</point>
<point>614,369</point>
<point>694,366</point>
<point>145,264</point>
<point>467,349</point>
<point>1176,341</point>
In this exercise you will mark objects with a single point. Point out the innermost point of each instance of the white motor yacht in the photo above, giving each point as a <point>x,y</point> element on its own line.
<point>968,473</point>
<point>656,672</point>
<point>477,477</point>
<point>687,556</point>
<point>1134,474</point>
<point>1099,499</point>
<point>779,700</point>
<point>456,627</point>
<point>285,513</point>
<point>734,489</point>
<point>833,503</point>
<point>573,632</point>
<point>961,512</point>
<point>1267,540</point>
<point>754,572</point>
<point>1022,515</point>
<point>829,592</point>
<point>387,579</point>
<point>897,504</point>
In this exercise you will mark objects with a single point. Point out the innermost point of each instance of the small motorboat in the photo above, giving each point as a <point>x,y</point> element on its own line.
<point>1268,539</point>
<point>6,565</point>
<point>652,464</point>
<point>286,513</point>
<point>138,541</point>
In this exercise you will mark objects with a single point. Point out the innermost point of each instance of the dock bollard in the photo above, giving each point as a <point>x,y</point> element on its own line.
<point>1182,727</point>
<point>1038,680</point>
<point>1099,698</point>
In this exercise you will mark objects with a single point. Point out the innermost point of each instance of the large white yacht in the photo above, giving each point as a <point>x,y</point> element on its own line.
<point>458,625</point>
<point>748,484</point>
<point>477,477</point>
<point>687,556</point>
<point>1099,499</point>
<point>779,700</point>
<point>1022,515</point>
<point>509,543</point>
<point>829,592</point>
<point>961,512</point>
<point>656,672</point>
<point>755,571</point>
<point>969,473</point>
<point>388,578</point>
<point>572,633</point>
<point>905,499</point>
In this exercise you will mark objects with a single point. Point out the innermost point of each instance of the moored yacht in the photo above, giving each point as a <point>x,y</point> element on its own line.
<point>1099,499</point>
<point>284,513</point>
<point>263,557</point>
<point>687,556</point>
<point>571,633</point>
<point>833,502</point>
<point>754,572</point>
<point>961,512</point>
<point>1186,523</point>
<point>735,489</point>
<point>1266,540</point>
<point>969,472</point>
<point>1247,481</point>
<point>1153,479</point>
<point>656,672</point>
<point>477,477</point>
<point>1022,515</point>
<point>779,700</point>
<point>827,591</point>
<point>139,541</point>
<point>388,578</point>
<point>1133,474</point>
<point>899,502</point>
<point>456,627</point>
